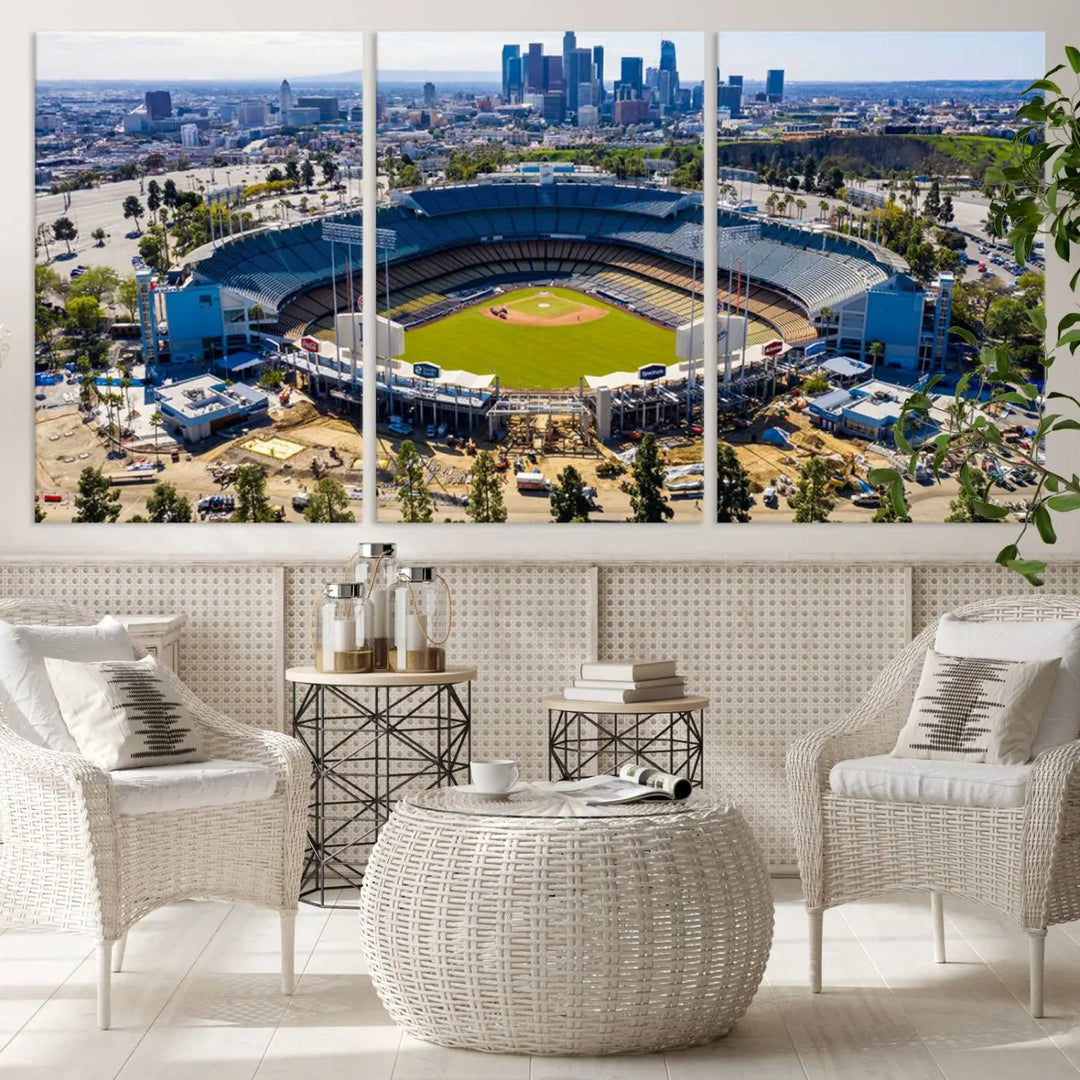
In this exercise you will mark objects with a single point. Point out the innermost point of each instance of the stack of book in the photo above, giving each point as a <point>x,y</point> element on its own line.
<point>626,681</point>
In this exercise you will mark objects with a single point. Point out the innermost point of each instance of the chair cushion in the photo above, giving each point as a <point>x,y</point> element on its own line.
<point>971,708</point>
<point>1038,640</point>
<point>123,714</point>
<point>884,778</point>
<point>27,694</point>
<point>217,782</point>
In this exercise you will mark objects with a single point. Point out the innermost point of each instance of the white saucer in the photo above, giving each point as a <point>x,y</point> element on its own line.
<point>470,789</point>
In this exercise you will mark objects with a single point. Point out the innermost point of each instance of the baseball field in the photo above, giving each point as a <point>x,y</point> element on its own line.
<point>541,339</point>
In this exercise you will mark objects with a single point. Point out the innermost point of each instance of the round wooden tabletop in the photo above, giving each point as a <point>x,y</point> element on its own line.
<point>663,705</point>
<point>313,676</point>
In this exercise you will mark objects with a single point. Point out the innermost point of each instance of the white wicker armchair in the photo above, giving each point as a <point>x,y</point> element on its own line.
<point>70,861</point>
<point>1024,862</point>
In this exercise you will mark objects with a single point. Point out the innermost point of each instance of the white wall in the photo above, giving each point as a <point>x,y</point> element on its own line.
<point>18,535</point>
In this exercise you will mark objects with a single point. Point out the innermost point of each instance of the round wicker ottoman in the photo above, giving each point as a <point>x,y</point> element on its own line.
<point>514,927</point>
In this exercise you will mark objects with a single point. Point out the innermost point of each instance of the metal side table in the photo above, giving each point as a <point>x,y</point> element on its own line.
<point>590,737</point>
<point>372,738</point>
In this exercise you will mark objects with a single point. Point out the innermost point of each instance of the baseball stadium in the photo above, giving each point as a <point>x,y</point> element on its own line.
<point>557,289</point>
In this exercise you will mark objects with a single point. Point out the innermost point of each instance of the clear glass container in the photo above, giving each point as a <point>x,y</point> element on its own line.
<point>342,630</point>
<point>423,618</point>
<point>375,568</point>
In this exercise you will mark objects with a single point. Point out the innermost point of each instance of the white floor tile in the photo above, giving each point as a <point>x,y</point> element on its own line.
<point>616,1067</point>
<point>424,1061</point>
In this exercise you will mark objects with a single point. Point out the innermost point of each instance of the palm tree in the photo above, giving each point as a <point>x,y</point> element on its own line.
<point>770,204</point>
<point>876,350</point>
<point>801,206</point>
<point>823,206</point>
<point>156,421</point>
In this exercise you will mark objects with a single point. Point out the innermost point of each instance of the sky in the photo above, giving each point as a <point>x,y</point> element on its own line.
<point>274,55</point>
<point>865,56</point>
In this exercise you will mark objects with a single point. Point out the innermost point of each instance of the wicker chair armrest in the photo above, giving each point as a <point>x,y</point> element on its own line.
<point>57,803</point>
<point>227,738</point>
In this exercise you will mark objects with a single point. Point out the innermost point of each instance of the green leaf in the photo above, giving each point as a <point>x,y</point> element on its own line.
<point>1066,425</point>
<point>1038,318</point>
<point>1029,569</point>
<point>1041,517</point>
<point>1007,555</point>
<point>989,510</point>
<point>882,477</point>
<point>1064,503</point>
<point>896,493</point>
<point>1073,55</point>
<point>965,335</point>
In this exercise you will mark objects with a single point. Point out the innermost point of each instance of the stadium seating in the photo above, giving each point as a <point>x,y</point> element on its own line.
<point>453,240</point>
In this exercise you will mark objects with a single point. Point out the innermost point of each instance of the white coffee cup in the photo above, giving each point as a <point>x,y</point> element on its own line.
<point>493,775</point>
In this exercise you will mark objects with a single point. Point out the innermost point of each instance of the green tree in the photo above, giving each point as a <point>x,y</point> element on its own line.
<point>292,172</point>
<point>274,175</point>
<point>809,172</point>
<point>271,380</point>
<point>413,495</point>
<point>39,512</point>
<point>153,196</point>
<point>733,496</point>
<point>329,170</point>
<point>151,251</point>
<point>251,501</point>
<point>813,500</point>
<point>127,296</point>
<point>1033,285</point>
<point>818,383</point>
<point>886,512</point>
<point>134,209</point>
<point>46,283</point>
<point>877,351</point>
<point>485,492</point>
<point>329,502</point>
<point>946,213</point>
<point>64,229</point>
<point>98,235</point>
<point>932,202</point>
<point>87,386</point>
<point>100,282</point>
<point>97,499</point>
<point>166,504</point>
<point>647,501</point>
<point>568,499</point>
<point>157,422</point>
<point>307,172</point>
<point>84,314</point>
<point>169,194</point>
<point>962,508</point>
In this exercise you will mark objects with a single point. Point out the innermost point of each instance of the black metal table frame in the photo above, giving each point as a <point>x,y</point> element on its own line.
<point>399,719</point>
<point>677,748</point>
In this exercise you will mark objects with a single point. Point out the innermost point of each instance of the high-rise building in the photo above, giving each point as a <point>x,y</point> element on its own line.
<point>598,68</point>
<point>774,84</point>
<point>534,77</point>
<point>429,95</point>
<point>569,44</point>
<point>189,136</point>
<point>554,110</point>
<point>286,100</point>
<point>514,84</point>
<point>329,108</point>
<point>251,114</point>
<point>158,105</point>
<point>631,111</point>
<point>633,68</point>
<point>735,80</point>
<point>553,74</point>
<point>730,97</point>
<point>580,74</point>
<point>667,64</point>
<point>510,53</point>
<point>570,74</point>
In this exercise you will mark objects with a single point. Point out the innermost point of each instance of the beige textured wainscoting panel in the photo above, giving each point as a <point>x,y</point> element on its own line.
<point>230,649</point>
<point>524,627</point>
<point>937,589</point>
<point>778,650</point>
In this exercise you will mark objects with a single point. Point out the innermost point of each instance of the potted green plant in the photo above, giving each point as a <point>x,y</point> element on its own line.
<point>1037,192</point>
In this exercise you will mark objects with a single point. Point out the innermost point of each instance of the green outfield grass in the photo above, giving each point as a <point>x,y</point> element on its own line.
<point>540,357</point>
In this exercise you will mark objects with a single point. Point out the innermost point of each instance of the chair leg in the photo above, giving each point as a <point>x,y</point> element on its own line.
<point>288,951</point>
<point>104,984</point>
<point>118,951</point>
<point>1036,952</point>
<point>815,917</point>
<point>937,915</point>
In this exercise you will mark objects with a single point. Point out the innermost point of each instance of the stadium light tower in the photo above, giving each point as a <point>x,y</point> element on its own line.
<point>386,241</point>
<point>694,244</point>
<point>340,233</point>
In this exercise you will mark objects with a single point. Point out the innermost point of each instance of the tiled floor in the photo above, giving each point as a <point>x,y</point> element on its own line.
<point>199,999</point>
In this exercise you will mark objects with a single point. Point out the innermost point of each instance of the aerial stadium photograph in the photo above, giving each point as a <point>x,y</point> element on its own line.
<point>859,161</point>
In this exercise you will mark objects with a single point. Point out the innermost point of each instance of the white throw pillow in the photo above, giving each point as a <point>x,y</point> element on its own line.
<point>27,695</point>
<point>123,715</point>
<point>1041,640</point>
<point>969,708</point>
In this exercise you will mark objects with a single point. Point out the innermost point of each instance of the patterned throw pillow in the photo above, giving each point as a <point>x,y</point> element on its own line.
<point>970,708</point>
<point>122,714</point>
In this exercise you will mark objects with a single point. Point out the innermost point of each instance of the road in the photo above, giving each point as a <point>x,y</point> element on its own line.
<point>102,207</point>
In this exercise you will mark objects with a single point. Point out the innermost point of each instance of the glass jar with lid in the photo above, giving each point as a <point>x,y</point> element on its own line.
<point>423,620</point>
<point>341,630</point>
<point>375,568</point>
